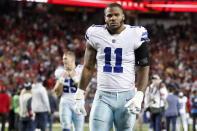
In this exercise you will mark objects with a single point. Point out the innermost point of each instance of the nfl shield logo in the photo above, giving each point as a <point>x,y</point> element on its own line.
<point>113,40</point>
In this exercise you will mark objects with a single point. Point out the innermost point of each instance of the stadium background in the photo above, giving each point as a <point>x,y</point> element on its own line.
<point>35,33</point>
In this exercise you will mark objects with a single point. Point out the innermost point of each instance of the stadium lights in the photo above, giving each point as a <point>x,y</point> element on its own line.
<point>40,1</point>
<point>174,6</point>
<point>141,5</point>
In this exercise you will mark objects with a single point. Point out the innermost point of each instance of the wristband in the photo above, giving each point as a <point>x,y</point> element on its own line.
<point>138,98</point>
<point>79,94</point>
<point>75,79</point>
<point>139,95</point>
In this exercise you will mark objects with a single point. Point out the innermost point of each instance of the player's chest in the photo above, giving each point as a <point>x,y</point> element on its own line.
<point>69,86</point>
<point>115,46</point>
<point>123,41</point>
<point>68,81</point>
<point>115,42</point>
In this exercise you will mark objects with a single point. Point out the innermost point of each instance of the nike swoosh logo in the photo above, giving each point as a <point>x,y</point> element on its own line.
<point>127,99</point>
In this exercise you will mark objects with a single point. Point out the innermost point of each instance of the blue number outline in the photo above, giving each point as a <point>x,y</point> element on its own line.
<point>117,68</point>
<point>71,88</point>
<point>107,67</point>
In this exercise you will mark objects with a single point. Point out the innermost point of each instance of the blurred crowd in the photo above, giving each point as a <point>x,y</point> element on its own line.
<point>165,104</point>
<point>173,54</point>
<point>32,48</point>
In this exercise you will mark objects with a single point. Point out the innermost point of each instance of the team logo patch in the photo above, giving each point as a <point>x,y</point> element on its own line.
<point>113,40</point>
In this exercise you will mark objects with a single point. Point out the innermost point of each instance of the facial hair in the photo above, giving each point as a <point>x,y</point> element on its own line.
<point>113,30</point>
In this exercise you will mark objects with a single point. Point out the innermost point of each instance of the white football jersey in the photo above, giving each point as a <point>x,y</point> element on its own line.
<point>69,88</point>
<point>183,102</point>
<point>115,56</point>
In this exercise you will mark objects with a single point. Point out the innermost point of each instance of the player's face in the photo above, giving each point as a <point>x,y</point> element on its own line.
<point>155,82</point>
<point>114,18</point>
<point>67,61</point>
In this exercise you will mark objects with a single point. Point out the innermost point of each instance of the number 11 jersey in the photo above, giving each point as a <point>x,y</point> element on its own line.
<point>115,56</point>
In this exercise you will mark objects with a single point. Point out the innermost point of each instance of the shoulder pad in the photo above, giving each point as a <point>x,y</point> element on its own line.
<point>143,34</point>
<point>58,72</point>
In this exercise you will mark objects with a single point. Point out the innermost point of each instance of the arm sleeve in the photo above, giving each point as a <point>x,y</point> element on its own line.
<point>142,36</point>
<point>142,55</point>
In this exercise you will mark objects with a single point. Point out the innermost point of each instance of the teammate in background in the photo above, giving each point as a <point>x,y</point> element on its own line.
<point>194,109</point>
<point>182,117</point>
<point>66,85</point>
<point>116,48</point>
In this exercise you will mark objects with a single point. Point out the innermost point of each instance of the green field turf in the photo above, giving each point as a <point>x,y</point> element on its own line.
<point>144,128</point>
<point>57,127</point>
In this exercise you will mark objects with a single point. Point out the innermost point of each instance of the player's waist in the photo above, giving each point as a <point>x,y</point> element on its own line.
<point>112,95</point>
<point>71,101</point>
<point>113,92</point>
<point>115,88</point>
<point>67,98</point>
<point>116,74</point>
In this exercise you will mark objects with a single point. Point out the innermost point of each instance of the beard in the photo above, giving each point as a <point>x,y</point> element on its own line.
<point>114,29</point>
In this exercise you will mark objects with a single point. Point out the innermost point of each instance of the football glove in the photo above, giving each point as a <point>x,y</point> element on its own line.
<point>134,105</point>
<point>79,102</point>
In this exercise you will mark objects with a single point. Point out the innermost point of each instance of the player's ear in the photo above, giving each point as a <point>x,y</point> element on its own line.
<point>104,18</point>
<point>123,17</point>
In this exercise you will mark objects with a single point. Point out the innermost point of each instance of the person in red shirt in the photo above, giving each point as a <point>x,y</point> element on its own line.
<point>5,102</point>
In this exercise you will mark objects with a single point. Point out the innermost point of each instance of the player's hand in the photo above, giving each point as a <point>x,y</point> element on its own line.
<point>73,75</point>
<point>64,75</point>
<point>79,107</point>
<point>79,102</point>
<point>134,105</point>
<point>32,117</point>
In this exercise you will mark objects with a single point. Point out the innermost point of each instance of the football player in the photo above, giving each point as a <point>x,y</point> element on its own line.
<point>117,49</point>
<point>67,79</point>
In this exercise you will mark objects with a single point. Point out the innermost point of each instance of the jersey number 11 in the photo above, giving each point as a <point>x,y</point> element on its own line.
<point>117,68</point>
